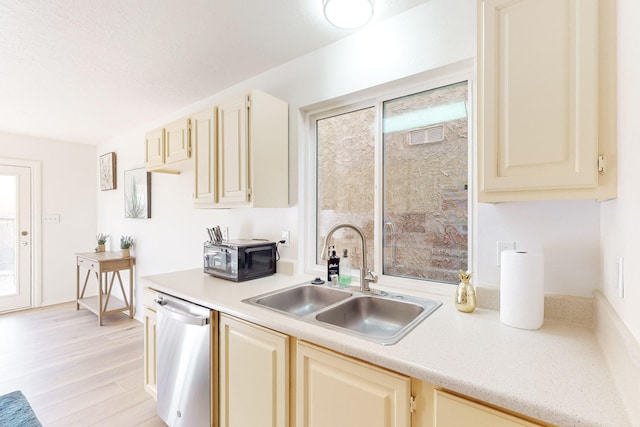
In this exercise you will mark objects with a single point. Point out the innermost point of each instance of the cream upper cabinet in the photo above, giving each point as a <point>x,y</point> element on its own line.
<point>203,141</point>
<point>455,411</point>
<point>168,149</point>
<point>177,141</point>
<point>154,148</point>
<point>233,149</point>
<point>334,390</point>
<point>253,151</point>
<point>254,375</point>
<point>546,126</point>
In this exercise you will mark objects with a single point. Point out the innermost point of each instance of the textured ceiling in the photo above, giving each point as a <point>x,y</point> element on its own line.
<point>87,70</point>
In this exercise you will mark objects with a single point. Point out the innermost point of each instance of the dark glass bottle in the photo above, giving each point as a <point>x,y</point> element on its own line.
<point>333,266</point>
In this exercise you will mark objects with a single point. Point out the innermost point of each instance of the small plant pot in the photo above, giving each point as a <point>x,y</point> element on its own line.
<point>125,252</point>
<point>100,248</point>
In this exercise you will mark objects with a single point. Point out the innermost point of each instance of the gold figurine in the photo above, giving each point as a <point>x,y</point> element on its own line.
<point>465,294</point>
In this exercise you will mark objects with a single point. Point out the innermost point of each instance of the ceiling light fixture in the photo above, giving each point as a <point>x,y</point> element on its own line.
<point>348,14</point>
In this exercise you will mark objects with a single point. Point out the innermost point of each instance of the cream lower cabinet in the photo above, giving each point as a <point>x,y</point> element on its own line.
<point>150,379</point>
<point>546,100</point>
<point>254,375</point>
<point>455,411</point>
<point>260,385</point>
<point>334,390</point>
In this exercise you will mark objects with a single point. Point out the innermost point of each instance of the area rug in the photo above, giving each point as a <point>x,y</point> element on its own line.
<point>15,411</point>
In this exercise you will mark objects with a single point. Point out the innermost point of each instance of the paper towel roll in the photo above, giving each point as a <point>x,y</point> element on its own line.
<point>522,289</point>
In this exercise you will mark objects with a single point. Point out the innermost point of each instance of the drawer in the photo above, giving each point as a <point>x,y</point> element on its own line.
<point>116,264</point>
<point>88,264</point>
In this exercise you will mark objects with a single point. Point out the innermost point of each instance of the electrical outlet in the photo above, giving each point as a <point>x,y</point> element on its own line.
<point>504,246</point>
<point>285,237</point>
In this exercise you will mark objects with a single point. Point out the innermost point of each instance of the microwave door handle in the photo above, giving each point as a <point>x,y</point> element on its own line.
<point>179,315</point>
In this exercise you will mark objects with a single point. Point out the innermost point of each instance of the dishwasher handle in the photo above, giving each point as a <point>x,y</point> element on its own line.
<point>180,315</point>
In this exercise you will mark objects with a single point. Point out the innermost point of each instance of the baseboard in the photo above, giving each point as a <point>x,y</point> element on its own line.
<point>622,352</point>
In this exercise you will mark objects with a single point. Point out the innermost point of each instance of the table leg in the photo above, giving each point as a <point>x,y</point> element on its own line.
<point>131,293</point>
<point>110,286</point>
<point>77,286</point>
<point>100,310</point>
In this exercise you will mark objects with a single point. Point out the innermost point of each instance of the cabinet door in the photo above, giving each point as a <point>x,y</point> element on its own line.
<point>233,167</point>
<point>334,390</point>
<point>203,140</point>
<point>538,77</point>
<point>150,378</point>
<point>177,141</point>
<point>454,411</point>
<point>269,151</point>
<point>254,375</point>
<point>154,148</point>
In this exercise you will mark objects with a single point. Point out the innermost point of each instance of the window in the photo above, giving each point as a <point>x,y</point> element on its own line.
<point>419,215</point>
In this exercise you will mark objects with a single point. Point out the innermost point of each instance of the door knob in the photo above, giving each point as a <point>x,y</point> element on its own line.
<point>24,233</point>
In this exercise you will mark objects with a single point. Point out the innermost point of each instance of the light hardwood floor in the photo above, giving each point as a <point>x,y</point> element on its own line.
<point>73,372</point>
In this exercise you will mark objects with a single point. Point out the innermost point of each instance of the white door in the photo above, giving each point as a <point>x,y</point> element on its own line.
<point>15,237</point>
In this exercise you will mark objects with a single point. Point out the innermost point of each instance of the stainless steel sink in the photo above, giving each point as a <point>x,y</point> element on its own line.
<point>373,316</point>
<point>301,300</point>
<point>378,316</point>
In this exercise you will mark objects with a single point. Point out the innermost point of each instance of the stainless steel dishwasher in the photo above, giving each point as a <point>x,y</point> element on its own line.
<point>184,362</point>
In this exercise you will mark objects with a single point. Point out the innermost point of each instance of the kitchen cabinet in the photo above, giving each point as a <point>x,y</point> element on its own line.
<point>203,140</point>
<point>177,141</point>
<point>546,100</point>
<point>453,411</point>
<point>333,390</point>
<point>154,149</point>
<point>252,147</point>
<point>263,377</point>
<point>168,149</point>
<point>149,320</point>
<point>254,375</point>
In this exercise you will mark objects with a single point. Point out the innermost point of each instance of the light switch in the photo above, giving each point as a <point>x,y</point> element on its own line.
<point>51,218</point>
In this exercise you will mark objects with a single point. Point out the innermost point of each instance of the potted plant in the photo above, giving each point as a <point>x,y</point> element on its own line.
<point>102,239</point>
<point>125,243</point>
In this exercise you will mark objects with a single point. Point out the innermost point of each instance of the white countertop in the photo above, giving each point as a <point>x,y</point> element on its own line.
<point>557,374</point>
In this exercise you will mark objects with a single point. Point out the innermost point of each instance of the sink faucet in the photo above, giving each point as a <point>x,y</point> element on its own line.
<point>366,275</point>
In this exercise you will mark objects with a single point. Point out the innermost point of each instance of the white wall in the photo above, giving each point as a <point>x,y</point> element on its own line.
<point>619,225</point>
<point>69,187</point>
<point>566,232</point>
<point>435,34</point>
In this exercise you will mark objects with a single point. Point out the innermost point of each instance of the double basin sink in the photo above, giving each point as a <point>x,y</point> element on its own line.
<point>381,317</point>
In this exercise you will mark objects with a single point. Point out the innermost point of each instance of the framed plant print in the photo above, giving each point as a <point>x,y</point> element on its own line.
<point>137,193</point>
<point>108,171</point>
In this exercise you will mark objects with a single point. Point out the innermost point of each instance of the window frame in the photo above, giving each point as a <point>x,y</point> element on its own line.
<point>375,97</point>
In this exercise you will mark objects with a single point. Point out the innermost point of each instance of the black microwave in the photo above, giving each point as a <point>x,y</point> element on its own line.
<point>240,260</point>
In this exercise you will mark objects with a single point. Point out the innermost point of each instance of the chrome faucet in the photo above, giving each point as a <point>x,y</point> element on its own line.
<point>366,275</point>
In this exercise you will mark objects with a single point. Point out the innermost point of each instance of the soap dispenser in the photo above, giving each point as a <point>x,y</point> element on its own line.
<point>333,266</point>
<point>344,279</point>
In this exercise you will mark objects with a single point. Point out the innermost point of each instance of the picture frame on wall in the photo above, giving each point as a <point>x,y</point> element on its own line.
<point>108,172</point>
<point>137,193</point>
